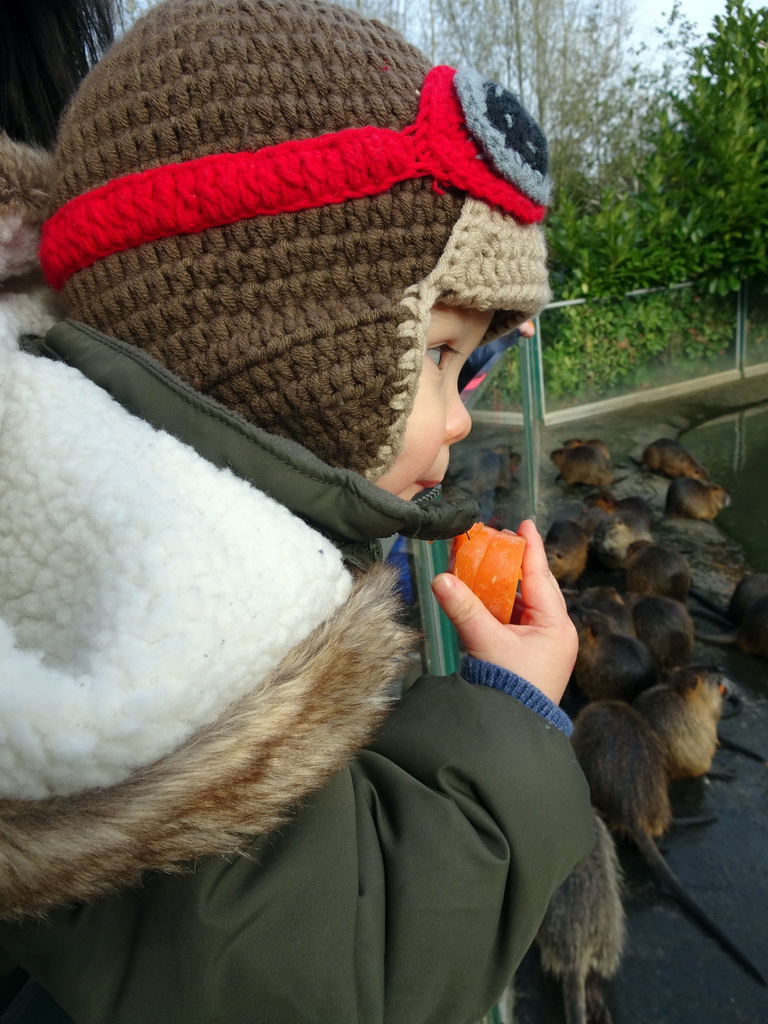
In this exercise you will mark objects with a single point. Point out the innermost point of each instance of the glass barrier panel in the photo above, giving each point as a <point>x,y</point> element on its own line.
<point>603,349</point>
<point>500,389</point>
<point>492,464</point>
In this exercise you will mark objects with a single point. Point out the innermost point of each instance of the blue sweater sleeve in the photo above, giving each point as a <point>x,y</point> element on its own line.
<point>483,673</point>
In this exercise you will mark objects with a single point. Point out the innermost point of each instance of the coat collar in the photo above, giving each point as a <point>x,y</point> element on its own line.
<point>353,512</point>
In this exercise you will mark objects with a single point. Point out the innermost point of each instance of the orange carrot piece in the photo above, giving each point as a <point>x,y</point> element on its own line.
<point>468,551</point>
<point>489,562</point>
<point>499,573</point>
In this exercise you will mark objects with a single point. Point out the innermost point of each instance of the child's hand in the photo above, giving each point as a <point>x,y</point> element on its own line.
<point>540,643</point>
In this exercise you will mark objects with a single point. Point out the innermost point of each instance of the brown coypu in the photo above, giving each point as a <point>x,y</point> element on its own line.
<point>487,473</point>
<point>665,627</point>
<point>623,761</point>
<point>590,519</point>
<point>582,464</point>
<point>683,711</point>
<point>751,634</point>
<point>596,443</point>
<point>605,500</point>
<point>671,459</point>
<point>607,600</point>
<point>748,590</point>
<point>655,569</point>
<point>614,536</point>
<point>566,545</point>
<point>695,499</point>
<point>610,664</point>
<point>582,936</point>
<point>492,471</point>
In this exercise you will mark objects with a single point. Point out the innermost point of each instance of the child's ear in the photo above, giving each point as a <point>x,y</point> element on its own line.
<point>25,173</point>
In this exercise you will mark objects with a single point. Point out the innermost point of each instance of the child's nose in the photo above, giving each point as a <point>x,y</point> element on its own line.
<point>458,421</point>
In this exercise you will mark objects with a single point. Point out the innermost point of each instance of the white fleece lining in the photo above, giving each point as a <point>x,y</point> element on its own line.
<point>142,589</point>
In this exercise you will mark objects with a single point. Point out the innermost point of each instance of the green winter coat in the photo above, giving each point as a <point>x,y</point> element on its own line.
<point>399,883</point>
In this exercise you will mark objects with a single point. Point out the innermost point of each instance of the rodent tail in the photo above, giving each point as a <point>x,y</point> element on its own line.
<point>719,618</point>
<point>46,49</point>
<point>597,1008</point>
<point>718,611</point>
<point>665,875</point>
<point>728,744</point>
<point>715,638</point>
<point>574,999</point>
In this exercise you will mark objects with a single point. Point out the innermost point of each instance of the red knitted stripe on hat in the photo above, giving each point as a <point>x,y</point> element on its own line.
<point>223,188</point>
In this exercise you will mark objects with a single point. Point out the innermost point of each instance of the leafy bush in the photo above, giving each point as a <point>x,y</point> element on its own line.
<point>594,350</point>
<point>602,348</point>
<point>700,207</point>
<point>502,390</point>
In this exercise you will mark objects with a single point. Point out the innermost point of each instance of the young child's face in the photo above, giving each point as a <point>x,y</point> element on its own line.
<point>438,418</point>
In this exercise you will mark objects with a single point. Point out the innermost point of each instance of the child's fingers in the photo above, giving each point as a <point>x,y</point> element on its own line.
<point>474,623</point>
<point>538,587</point>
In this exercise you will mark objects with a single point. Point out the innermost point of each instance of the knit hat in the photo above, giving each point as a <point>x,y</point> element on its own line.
<point>268,197</point>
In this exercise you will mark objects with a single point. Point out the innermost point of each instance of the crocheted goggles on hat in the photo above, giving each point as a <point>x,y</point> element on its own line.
<point>469,134</point>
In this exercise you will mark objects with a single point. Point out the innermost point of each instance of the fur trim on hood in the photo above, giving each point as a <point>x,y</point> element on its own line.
<point>235,778</point>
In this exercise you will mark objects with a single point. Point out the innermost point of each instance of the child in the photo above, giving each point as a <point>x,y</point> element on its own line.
<point>277,237</point>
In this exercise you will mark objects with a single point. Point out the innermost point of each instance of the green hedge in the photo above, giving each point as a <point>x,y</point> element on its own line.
<point>605,347</point>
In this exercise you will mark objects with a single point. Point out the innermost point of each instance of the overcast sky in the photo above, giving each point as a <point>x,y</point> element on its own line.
<point>652,13</point>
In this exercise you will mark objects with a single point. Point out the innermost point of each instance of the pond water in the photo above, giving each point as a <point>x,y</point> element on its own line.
<point>734,449</point>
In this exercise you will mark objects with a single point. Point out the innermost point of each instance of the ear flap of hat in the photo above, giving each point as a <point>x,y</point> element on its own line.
<point>490,262</point>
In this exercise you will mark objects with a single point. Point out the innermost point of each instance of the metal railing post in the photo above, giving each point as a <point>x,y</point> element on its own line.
<point>532,381</point>
<point>441,646</point>
<point>741,329</point>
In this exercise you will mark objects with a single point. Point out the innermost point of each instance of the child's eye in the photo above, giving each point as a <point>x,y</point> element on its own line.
<point>439,353</point>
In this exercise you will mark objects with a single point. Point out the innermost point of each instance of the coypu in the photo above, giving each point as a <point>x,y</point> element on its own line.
<point>695,499</point>
<point>490,474</point>
<point>581,939</point>
<point>751,635</point>
<point>590,519</point>
<point>566,544</point>
<point>614,536</point>
<point>748,590</point>
<point>607,600</point>
<point>610,664</point>
<point>665,627</point>
<point>582,464</point>
<point>671,459</point>
<point>514,460</point>
<point>654,569</point>
<point>492,470</point>
<point>684,711</point>
<point>596,443</point>
<point>609,504</point>
<point>487,473</point>
<point>623,761</point>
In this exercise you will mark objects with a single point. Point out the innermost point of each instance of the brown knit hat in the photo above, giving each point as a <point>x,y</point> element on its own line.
<point>311,321</point>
